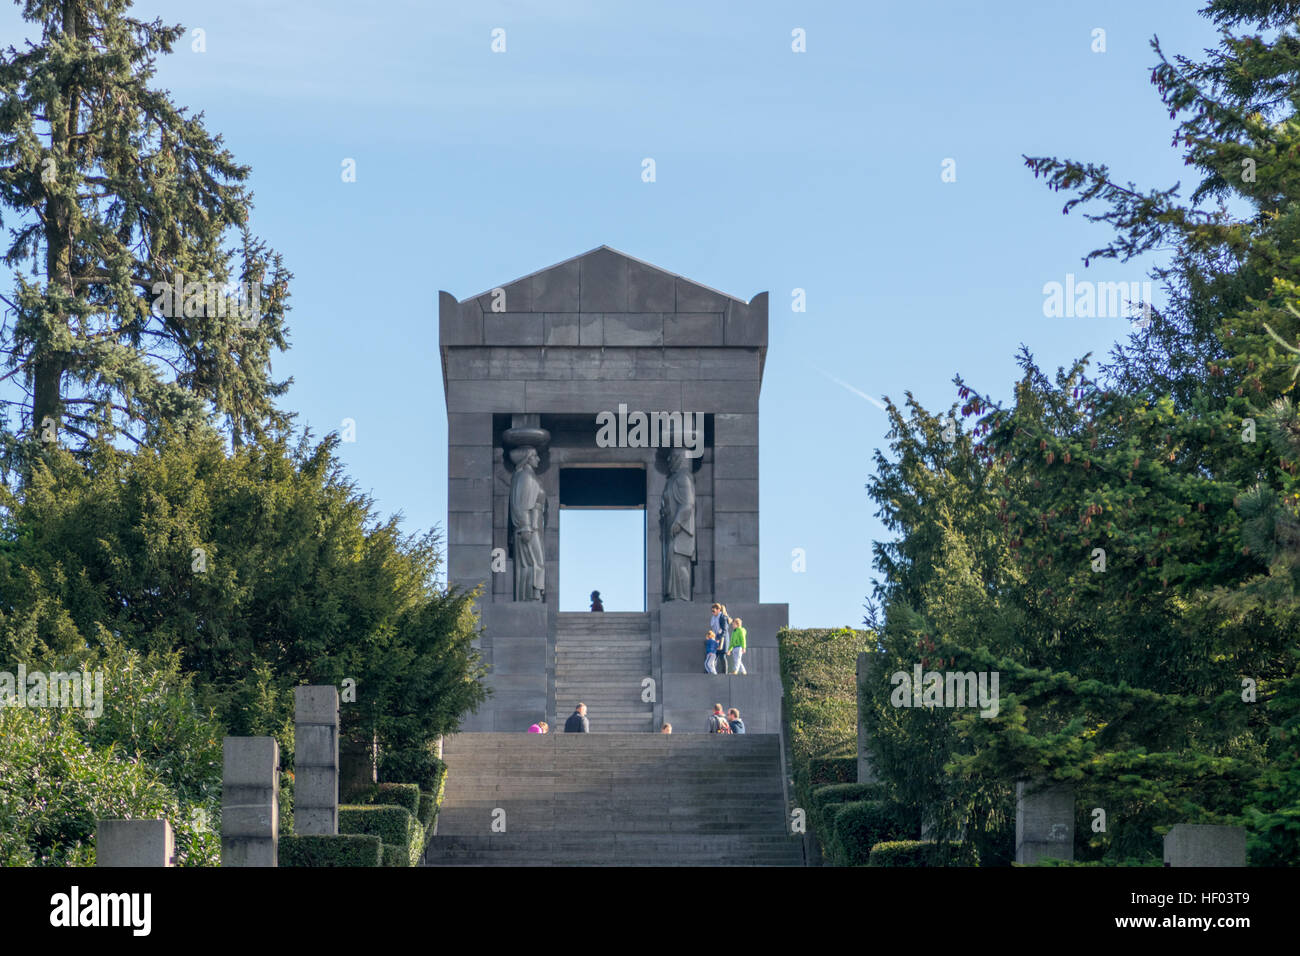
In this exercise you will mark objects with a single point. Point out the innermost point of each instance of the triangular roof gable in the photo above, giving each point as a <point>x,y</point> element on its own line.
<point>564,268</point>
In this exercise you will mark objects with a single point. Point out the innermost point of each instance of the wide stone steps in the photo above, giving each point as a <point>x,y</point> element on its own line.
<point>632,799</point>
<point>601,660</point>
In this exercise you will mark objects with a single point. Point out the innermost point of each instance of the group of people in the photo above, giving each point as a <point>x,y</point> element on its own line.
<point>725,639</point>
<point>728,723</point>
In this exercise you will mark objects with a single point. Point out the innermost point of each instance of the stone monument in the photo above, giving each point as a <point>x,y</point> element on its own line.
<point>606,382</point>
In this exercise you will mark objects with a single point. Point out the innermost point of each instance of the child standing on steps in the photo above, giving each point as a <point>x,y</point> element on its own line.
<point>711,653</point>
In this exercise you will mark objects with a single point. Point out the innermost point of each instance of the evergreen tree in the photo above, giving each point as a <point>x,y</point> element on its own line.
<point>140,295</point>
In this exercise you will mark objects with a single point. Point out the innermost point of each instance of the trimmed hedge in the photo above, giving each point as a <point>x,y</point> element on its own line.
<point>828,770</point>
<point>429,804</point>
<point>853,829</point>
<point>393,825</point>
<point>343,849</point>
<point>406,795</point>
<point>395,856</point>
<point>836,793</point>
<point>923,853</point>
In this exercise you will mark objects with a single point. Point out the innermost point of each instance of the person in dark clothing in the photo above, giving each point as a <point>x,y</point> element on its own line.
<point>577,722</point>
<point>595,601</point>
<point>733,719</point>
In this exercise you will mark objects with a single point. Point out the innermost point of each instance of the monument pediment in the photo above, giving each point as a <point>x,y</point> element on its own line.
<point>604,280</point>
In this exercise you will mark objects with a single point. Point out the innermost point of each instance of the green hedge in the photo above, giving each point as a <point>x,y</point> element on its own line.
<point>923,853</point>
<point>429,804</point>
<point>395,856</point>
<point>391,824</point>
<point>828,770</point>
<point>405,795</point>
<point>827,796</point>
<point>344,849</point>
<point>853,829</point>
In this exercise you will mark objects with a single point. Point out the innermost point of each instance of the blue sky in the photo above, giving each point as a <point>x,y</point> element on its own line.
<point>775,170</point>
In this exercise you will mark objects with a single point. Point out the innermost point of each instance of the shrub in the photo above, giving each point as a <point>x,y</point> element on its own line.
<point>405,795</point>
<point>429,804</point>
<point>827,770</point>
<point>923,853</point>
<point>55,787</point>
<point>836,793</point>
<point>391,824</point>
<point>395,856</point>
<point>854,828</point>
<point>343,849</point>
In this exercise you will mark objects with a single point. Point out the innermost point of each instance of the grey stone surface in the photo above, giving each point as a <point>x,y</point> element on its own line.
<point>634,328</point>
<point>733,398</point>
<point>484,396</point>
<point>469,461</point>
<point>747,324</point>
<point>866,674</point>
<point>1189,844</point>
<point>316,758</point>
<point>649,290</point>
<point>134,843</point>
<point>470,527</point>
<point>736,429</point>
<point>560,328</point>
<point>693,329</point>
<point>1044,821</point>
<point>458,324</point>
<point>735,494</point>
<point>250,789</point>
<point>465,429</point>
<point>603,281</point>
<point>692,297</point>
<point>513,328</point>
<point>556,289</point>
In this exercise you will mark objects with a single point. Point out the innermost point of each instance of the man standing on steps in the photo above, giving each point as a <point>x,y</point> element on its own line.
<point>577,722</point>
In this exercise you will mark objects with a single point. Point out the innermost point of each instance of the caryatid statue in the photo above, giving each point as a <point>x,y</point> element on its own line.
<point>677,519</point>
<point>528,525</point>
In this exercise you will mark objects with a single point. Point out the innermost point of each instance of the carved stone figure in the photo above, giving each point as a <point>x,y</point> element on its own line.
<point>677,519</point>
<point>528,525</point>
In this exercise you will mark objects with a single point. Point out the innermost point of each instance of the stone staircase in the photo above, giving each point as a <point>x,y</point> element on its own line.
<point>601,659</point>
<point>614,799</point>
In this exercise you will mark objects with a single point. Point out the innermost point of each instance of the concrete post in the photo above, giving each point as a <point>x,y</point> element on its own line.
<point>250,809</point>
<point>134,843</point>
<point>316,760</point>
<point>866,673</point>
<point>1190,844</point>
<point>1044,821</point>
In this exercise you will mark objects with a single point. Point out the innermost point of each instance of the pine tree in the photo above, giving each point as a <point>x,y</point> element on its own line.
<point>141,296</point>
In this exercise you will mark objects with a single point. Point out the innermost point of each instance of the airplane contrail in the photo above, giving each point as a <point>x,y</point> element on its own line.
<point>858,392</point>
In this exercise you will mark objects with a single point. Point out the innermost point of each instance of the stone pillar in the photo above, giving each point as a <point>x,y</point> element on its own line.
<point>250,810</point>
<point>1044,821</point>
<point>134,843</point>
<point>316,759</point>
<point>1190,844</point>
<point>865,672</point>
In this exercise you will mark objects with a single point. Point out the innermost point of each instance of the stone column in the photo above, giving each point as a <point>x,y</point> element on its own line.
<point>866,673</point>
<point>250,792</point>
<point>134,843</point>
<point>316,759</point>
<point>1044,821</point>
<point>1190,844</point>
